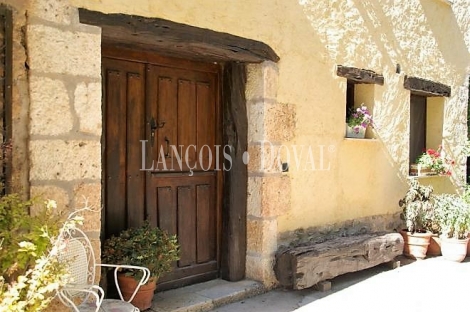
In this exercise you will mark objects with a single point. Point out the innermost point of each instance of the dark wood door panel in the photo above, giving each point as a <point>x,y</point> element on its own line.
<point>124,107</point>
<point>183,104</point>
<point>186,206</point>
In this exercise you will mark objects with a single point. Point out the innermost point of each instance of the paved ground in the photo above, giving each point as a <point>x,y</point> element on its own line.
<point>429,285</point>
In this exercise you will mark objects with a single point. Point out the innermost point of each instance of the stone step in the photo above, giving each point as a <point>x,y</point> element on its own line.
<point>205,296</point>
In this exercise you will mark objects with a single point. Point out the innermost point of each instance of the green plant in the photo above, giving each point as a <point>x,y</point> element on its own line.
<point>417,207</point>
<point>29,253</point>
<point>453,214</point>
<point>359,118</point>
<point>145,246</point>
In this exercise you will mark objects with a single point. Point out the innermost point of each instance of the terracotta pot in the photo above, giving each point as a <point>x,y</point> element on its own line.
<point>144,296</point>
<point>468,247</point>
<point>454,249</point>
<point>416,244</point>
<point>434,248</point>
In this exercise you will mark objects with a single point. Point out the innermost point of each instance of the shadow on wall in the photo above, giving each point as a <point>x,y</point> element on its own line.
<point>379,34</point>
<point>423,36</point>
<point>453,51</point>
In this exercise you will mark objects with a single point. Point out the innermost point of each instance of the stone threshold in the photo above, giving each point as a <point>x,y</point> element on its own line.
<point>205,296</point>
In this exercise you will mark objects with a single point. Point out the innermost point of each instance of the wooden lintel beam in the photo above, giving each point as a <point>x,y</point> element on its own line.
<point>425,87</point>
<point>177,39</point>
<point>359,75</point>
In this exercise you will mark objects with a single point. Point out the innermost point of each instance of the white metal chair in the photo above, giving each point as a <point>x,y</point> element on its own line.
<point>82,294</point>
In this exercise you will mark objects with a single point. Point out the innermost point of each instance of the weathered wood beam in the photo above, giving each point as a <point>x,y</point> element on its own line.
<point>305,266</point>
<point>425,87</point>
<point>359,75</point>
<point>236,179</point>
<point>177,39</point>
<point>6,20</point>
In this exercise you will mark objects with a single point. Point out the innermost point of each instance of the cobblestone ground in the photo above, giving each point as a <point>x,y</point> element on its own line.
<point>433,284</point>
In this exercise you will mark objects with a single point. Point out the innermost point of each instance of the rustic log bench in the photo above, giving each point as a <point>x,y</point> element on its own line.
<point>305,266</point>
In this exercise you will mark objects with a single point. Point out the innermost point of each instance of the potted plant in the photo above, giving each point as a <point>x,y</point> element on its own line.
<point>453,214</point>
<point>434,248</point>
<point>417,214</point>
<point>145,246</point>
<point>431,162</point>
<point>357,121</point>
<point>466,191</point>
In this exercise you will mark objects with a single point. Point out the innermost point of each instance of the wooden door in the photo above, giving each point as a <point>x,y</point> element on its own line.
<point>162,127</point>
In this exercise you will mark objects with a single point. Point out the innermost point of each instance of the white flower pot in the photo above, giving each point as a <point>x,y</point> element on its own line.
<point>350,133</point>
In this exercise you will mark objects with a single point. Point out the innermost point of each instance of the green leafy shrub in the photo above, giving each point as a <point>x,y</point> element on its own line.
<point>145,246</point>
<point>418,212</point>
<point>453,215</point>
<point>29,253</point>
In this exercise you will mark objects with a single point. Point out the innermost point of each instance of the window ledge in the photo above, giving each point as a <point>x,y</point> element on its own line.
<point>448,2</point>
<point>424,177</point>
<point>362,140</point>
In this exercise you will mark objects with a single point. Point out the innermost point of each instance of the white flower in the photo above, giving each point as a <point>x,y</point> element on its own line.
<point>51,204</point>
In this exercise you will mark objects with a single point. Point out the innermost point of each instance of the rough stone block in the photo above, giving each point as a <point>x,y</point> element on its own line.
<point>58,11</point>
<point>88,107</point>
<point>271,122</point>
<point>268,196</point>
<point>262,81</point>
<point>302,267</point>
<point>254,196</point>
<point>261,269</point>
<point>394,264</point>
<point>255,112</point>
<point>275,196</point>
<point>87,198</point>
<point>260,234</point>
<point>65,160</point>
<point>87,195</point>
<point>323,286</point>
<point>96,245</point>
<point>81,51</point>
<point>59,194</point>
<point>279,122</point>
<point>264,158</point>
<point>50,107</point>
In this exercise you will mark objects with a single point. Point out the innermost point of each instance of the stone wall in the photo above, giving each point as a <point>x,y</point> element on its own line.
<point>64,60</point>
<point>269,124</point>
<point>317,234</point>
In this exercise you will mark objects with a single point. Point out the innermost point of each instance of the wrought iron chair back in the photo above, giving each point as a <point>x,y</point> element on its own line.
<point>82,294</point>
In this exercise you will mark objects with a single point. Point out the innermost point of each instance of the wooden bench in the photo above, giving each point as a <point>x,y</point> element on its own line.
<point>305,266</point>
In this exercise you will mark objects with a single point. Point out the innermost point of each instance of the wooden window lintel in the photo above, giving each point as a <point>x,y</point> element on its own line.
<point>358,75</point>
<point>424,87</point>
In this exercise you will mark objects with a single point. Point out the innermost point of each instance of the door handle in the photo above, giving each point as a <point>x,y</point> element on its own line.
<point>153,127</point>
<point>167,154</point>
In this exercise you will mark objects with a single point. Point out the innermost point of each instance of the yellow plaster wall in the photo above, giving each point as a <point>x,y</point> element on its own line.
<point>428,38</point>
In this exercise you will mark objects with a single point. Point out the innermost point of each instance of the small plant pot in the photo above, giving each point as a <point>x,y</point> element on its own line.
<point>144,296</point>
<point>416,170</point>
<point>468,247</point>
<point>434,248</point>
<point>416,244</point>
<point>454,249</point>
<point>350,133</point>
